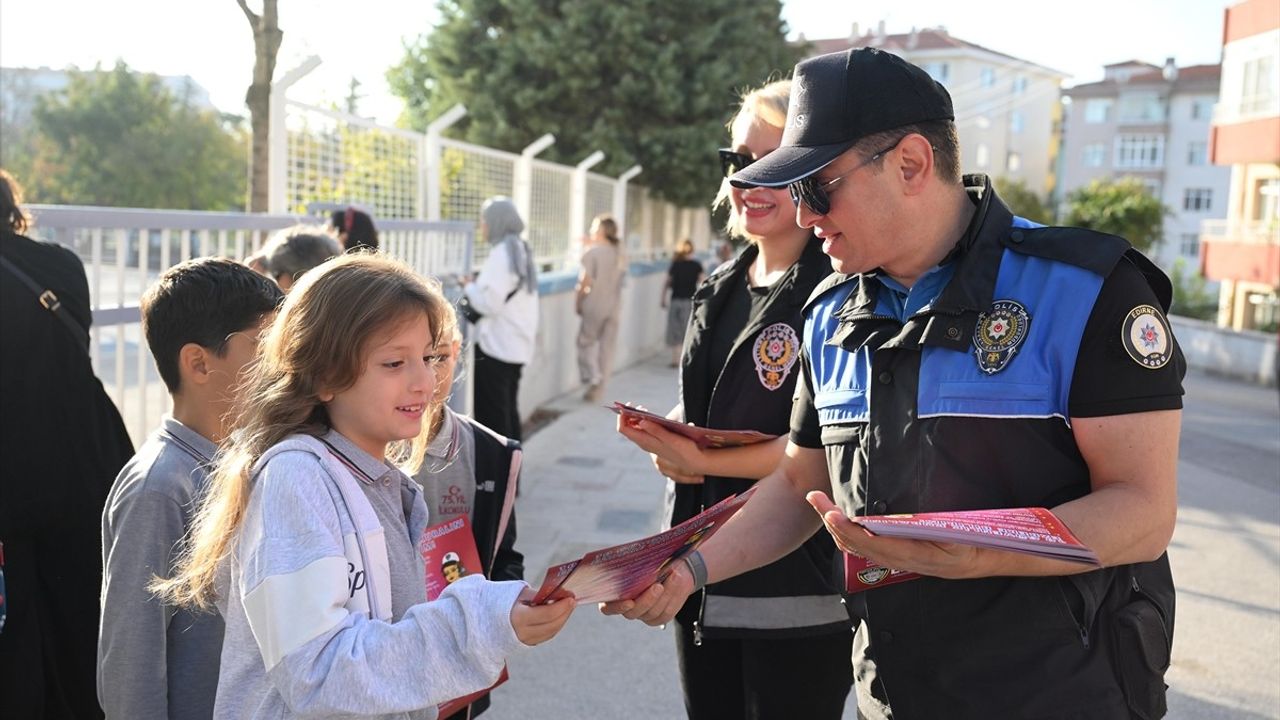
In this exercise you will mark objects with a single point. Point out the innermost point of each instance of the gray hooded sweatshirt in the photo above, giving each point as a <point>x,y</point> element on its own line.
<point>319,623</point>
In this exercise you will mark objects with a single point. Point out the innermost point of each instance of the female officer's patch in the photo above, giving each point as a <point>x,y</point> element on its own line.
<point>1145,336</point>
<point>998,334</point>
<point>776,350</point>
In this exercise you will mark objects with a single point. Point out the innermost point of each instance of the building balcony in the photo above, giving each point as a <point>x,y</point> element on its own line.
<point>1241,251</point>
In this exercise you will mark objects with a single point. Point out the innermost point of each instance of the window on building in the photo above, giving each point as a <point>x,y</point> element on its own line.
<point>1019,85</point>
<point>1095,155</point>
<point>982,156</point>
<point>1201,109</point>
<point>1139,151</point>
<point>1197,199</point>
<point>1152,186</point>
<point>1190,245</point>
<point>1013,163</point>
<point>939,71</point>
<point>1259,89</point>
<point>1016,121</point>
<point>1143,107</point>
<point>1197,152</point>
<point>1097,110</point>
<point>1267,203</point>
<point>988,77</point>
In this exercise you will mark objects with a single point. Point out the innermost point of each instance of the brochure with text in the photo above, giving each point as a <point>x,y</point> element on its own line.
<point>624,571</point>
<point>449,553</point>
<point>1034,531</point>
<point>704,437</point>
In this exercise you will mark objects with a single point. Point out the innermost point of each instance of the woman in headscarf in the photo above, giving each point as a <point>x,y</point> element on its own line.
<point>505,297</point>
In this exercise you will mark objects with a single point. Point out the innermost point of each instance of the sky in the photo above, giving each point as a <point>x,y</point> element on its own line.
<point>210,40</point>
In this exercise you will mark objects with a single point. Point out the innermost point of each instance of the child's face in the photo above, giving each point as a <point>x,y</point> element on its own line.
<point>446,360</point>
<point>226,372</point>
<point>389,398</point>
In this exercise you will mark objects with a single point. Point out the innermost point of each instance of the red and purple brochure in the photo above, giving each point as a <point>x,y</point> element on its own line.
<point>449,553</point>
<point>704,437</point>
<point>624,571</point>
<point>1034,531</point>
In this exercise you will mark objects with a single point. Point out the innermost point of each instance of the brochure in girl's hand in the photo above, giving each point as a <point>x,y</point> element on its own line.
<point>1035,531</point>
<point>624,571</point>
<point>704,437</point>
<point>449,552</point>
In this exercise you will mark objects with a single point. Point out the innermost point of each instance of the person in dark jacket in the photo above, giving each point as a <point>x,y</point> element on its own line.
<point>62,442</point>
<point>470,470</point>
<point>747,644</point>
<point>966,359</point>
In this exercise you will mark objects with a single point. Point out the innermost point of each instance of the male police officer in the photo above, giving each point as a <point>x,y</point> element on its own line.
<point>964,358</point>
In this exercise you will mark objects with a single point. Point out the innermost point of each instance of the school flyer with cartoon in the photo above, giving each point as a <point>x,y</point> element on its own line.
<point>624,571</point>
<point>449,554</point>
<point>704,437</point>
<point>1035,531</point>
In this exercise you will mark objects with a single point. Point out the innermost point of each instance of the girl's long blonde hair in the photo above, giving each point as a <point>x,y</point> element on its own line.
<point>768,104</point>
<point>318,343</point>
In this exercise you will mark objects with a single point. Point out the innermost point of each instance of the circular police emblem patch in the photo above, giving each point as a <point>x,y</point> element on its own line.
<point>873,575</point>
<point>775,352</point>
<point>1145,336</point>
<point>999,332</point>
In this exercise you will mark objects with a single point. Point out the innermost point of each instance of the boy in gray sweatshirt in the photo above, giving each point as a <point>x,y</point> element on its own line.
<point>201,320</point>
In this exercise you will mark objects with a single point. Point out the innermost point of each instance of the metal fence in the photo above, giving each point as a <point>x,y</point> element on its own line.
<point>331,156</point>
<point>125,250</point>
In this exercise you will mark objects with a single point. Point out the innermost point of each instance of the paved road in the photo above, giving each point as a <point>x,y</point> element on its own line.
<point>586,488</point>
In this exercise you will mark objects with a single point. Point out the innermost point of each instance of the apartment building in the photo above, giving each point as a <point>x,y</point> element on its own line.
<point>1007,108</point>
<point>1150,122</point>
<point>1242,251</point>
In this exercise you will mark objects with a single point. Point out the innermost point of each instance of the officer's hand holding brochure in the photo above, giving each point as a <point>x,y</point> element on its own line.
<point>624,571</point>
<point>1035,531</point>
<point>704,437</point>
<point>449,553</point>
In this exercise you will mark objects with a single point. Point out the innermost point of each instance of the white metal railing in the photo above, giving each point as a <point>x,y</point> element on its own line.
<point>125,250</point>
<point>321,155</point>
<point>1263,232</point>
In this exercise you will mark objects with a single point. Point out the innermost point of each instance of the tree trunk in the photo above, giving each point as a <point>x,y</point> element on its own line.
<point>266,43</point>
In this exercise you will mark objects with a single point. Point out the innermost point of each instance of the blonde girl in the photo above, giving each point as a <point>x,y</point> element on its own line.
<point>308,538</point>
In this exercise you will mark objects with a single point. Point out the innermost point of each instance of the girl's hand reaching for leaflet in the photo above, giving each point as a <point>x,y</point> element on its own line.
<point>536,624</point>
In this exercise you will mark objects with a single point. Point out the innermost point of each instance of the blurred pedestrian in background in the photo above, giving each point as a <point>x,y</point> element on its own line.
<point>599,304</point>
<point>683,277</point>
<point>293,251</point>
<point>354,229</point>
<point>502,301</point>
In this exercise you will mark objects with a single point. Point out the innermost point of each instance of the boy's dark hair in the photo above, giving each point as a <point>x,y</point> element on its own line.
<point>202,301</point>
<point>941,134</point>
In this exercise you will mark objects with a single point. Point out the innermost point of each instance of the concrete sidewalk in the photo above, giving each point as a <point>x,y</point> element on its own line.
<point>585,487</point>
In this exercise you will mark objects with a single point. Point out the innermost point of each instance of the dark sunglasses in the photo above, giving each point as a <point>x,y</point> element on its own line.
<point>814,194</point>
<point>731,161</point>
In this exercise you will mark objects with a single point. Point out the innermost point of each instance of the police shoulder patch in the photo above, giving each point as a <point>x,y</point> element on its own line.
<point>1145,336</point>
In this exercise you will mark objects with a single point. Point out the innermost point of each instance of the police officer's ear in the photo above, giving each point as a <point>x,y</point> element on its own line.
<point>913,162</point>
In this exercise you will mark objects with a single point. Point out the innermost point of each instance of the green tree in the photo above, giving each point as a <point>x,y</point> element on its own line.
<point>1022,200</point>
<point>1190,298</point>
<point>120,138</point>
<point>1121,207</point>
<point>648,82</point>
